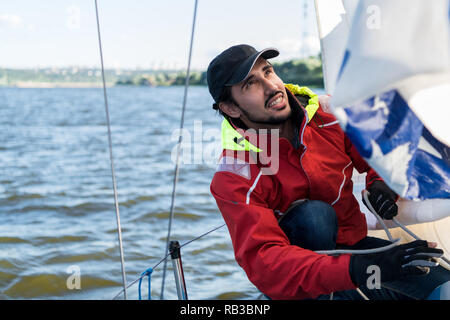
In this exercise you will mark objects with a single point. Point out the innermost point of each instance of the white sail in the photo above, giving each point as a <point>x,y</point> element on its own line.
<point>334,18</point>
<point>390,81</point>
<point>409,52</point>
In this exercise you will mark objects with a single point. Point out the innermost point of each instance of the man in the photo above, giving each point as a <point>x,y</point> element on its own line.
<point>283,186</point>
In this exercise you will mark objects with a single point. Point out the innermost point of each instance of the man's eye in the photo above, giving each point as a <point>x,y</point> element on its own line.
<point>268,71</point>
<point>249,83</point>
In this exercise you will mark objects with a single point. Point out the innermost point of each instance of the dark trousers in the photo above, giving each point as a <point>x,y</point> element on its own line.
<point>313,225</point>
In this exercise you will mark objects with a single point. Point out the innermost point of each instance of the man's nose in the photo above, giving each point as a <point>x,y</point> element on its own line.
<point>269,86</point>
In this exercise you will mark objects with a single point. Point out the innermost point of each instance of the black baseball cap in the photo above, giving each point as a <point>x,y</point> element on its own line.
<point>232,66</point>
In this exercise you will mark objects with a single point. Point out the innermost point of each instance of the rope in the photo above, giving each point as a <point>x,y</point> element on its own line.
<point>116,202</point>
<point>362,294</point>
<point>397,223</point>
<point>166,256</point>
<point>365,195</point>
<point>363,251</point>
<point>147,273</point>
<point>415,236</point>
<point>394,243</point>
<point>177,166</point>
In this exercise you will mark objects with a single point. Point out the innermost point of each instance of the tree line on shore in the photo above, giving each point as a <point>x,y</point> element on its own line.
<point>305,72</point>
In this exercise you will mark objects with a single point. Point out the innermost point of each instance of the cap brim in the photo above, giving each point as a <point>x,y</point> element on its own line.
<point>244,69</point>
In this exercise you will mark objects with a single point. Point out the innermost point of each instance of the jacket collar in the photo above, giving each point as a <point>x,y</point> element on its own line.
<point>238,139</point>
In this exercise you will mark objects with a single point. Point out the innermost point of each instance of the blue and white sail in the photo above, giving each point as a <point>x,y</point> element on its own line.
<point>387,67</point>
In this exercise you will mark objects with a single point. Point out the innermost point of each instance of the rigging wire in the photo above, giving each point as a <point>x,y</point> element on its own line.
<point>176,175</point>
<point>180,138</point>
<point>111,158</point>
<point>167,255</point>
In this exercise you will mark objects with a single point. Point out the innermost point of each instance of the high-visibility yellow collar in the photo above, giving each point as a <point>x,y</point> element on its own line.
<point>233,140</point>
<point>313,102</point>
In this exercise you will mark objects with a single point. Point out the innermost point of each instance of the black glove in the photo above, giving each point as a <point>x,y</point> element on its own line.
<point>413,258</point>
<point>382,199</point>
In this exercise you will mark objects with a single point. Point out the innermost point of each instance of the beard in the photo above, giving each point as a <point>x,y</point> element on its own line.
<point>272,120</point>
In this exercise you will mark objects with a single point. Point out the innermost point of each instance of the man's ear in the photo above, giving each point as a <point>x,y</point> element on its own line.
<point>230,109</point>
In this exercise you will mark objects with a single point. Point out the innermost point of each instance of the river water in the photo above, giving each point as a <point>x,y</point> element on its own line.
<point>57,214</point>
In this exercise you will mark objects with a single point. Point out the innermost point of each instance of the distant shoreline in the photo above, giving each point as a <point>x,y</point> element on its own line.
<point>77,85</point>
<point>51,85</point>
<point>74,85</point>
<point>306,71</point>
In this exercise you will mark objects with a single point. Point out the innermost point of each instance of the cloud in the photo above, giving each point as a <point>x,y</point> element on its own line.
<point>11,21</point>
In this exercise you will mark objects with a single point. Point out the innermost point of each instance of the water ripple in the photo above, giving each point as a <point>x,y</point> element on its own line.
<point>56,199</point>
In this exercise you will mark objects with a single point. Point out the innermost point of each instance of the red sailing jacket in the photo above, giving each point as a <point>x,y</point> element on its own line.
<point>251,201</point>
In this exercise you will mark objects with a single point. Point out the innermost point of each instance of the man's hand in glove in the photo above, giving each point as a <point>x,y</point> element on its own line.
<point>413,258</point>
<point>382,199</point>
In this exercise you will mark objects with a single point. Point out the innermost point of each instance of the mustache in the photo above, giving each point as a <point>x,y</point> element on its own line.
<point>273,95</point>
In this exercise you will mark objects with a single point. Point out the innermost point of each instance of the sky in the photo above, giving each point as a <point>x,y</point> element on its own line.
<point>149,33</point>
